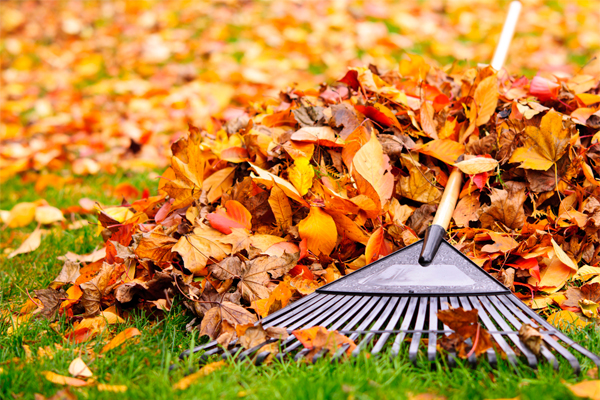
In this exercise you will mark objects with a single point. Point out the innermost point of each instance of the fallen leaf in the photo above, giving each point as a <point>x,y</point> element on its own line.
<point>531,338</point>
<point>586,389</point>
<point>48,215</point>
<point>208,369</point>
<point>30,244</point>
<point>371,164</point>
<point>78,368</point>
<point>63,380</point>
<point>280,205</point>
<point>103,387</point>
<point>233,215</point>
<point>120,339</point>
<point>320,231</point>
<point>545,145</point>
<point>486,99</point>
<point>301,175</point>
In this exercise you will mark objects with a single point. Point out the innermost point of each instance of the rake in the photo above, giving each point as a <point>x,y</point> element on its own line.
<point>397,298</point>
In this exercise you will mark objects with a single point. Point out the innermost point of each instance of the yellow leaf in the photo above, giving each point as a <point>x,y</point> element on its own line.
<point>587,389</point>
<point>586,272</point>
<point>63,380</point>
<point>48,214</point>
<point>280,205</point>
<point>553,277</point>
<point>319,230</point>
<point>204,371</point>
<point>419,185</point>
<point>103,387</point>
<point>565,319</point>
<point>219,182</point>
<point>477,165</point>
<point>545,145</point>
<point>203,244</point>
<point>21,215</point>
<point>120,339</point>
<point>562,256</point>
<point>369,162</point>
<point>78,368</point>
<point>267,179</point>
<point>30,244</point>
<point>486,99</point>
<point>301,175</point>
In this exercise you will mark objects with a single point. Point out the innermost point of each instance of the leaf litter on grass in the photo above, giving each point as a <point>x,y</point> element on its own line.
<point>264,204</point>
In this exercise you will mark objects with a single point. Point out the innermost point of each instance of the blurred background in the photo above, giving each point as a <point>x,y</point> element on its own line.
<point>95,86</point>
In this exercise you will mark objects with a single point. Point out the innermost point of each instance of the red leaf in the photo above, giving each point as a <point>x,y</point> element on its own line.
<point>528,263</point>
<point>351,79</point>
<point>374,114</point>
<point>303,271</point>
<point>480,180</point>
<point>234,215</point>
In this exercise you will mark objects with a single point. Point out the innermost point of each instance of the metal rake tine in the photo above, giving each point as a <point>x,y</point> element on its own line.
<point>433,327</point>
<point>531,359</point>
<point>547,338</point>
<point>364,324</point>
<point>444,305</point>
<point>487,322</point>
<point>467,306</point>
<point>472,358</point>
<point>380,321</point>
<point>391,325</point>
<point>416,337</point>
<point>410,311</point>
<point>571,343</point>
<point>302,311</point>
<point>500,305</point>
<point>292,307</point>
<point>315,317</point>
<point>207,346</point>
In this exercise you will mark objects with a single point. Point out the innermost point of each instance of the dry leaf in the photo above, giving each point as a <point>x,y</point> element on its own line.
<point>63,380</point>
<point>30,244</point>
<point>120,339</point>
<point>78,368</point>
<point>208,369</point>
<point>319,229</point>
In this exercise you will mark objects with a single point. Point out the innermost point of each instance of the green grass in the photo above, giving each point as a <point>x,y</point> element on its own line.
<point>143,363</point>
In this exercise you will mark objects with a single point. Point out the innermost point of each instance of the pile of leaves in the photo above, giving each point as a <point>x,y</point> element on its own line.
<point>88,83</point>
<point>260,210</point>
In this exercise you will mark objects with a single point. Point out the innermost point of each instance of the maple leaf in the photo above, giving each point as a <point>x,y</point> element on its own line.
<point>506,207</point>
<point>544,146</point>
<point>197,248</point>
<point>224,313</point>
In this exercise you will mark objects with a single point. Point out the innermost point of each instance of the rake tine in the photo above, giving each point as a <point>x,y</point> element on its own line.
<point>451,355</point>
<point>301,354</point>
<point>319,355</point>
<point>391,325</point>
<point>433,326</point>
<point>291,307</point>
<point>531,359</point>
<point>316,316</point>
<point>405,325</point>
<point>547,338</point>
<point>306,308</point>
<point>370,317</point>
<point>487,322</point>
<point>500,302</point>
<point>491,355</point>
<point>571,343</point>
<point>416,337</point>
<point>206,347</point>
<point>472,358</point>
<point>340,352</point>
<point>261,357</point>
<point>380,321</point>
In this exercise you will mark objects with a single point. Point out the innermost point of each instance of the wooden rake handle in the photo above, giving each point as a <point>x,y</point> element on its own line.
<point>437,231</point>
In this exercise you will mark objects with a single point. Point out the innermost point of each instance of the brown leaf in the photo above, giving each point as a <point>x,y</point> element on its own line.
<point>531,338</point>
<point>465,324</point>
<point>255,274</point>
<point>155,246</point>
<point>506,207</point>
<point>224,312</point>
<point>420,220</point>
<point>467,210</point>
<point>51,300</point>
<point>282,210</point>
<point>419,185</point>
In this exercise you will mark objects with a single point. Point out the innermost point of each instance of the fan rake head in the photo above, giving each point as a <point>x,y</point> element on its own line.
<point>395,302</point>
<point>375,322</point>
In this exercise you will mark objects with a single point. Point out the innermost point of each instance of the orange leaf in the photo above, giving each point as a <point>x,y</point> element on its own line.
<point>374,167</point>
<point>319,230</point>
<point>376,246</point>
<point>63,380</point>
<point>234,215</point>
<point>443,149</point>
<point>486,99</point>
<point>120,339</point>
